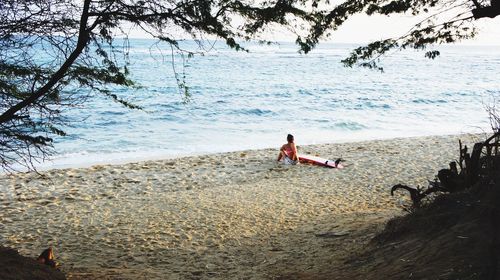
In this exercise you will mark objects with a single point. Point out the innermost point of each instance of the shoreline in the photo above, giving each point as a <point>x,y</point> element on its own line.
<point>116,160</point>
<point>229,215</point>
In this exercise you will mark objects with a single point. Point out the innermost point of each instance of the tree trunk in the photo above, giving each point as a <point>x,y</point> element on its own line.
<point>83,39</point>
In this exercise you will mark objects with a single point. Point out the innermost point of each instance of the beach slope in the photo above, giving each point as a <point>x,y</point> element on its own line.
<point>237,215</point>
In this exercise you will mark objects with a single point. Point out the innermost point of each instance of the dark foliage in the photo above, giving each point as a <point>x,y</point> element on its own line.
<point>444,22</point>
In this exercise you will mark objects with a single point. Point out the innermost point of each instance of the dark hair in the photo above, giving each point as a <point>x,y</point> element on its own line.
<point>289,138</point>
<point>46,254</point>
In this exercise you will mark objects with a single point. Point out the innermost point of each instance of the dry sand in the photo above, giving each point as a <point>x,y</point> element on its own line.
<point>237,215</point>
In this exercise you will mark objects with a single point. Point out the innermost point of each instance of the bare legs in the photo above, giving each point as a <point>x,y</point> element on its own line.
<point>282,155</point>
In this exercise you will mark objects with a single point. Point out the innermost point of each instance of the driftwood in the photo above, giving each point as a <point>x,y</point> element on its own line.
<point>483,162</point>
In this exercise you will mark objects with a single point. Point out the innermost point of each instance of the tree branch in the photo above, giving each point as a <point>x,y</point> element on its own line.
<point>489,11</point>
<point>478,6</point>
<point>83,37</point>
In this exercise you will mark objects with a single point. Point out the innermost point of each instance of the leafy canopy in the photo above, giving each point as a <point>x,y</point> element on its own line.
<point>443,22</point>
<point>52,51</point>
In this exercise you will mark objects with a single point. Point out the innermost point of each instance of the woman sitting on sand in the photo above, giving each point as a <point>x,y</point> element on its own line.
<point>288,152</point>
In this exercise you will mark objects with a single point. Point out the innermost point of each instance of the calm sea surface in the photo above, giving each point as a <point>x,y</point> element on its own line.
<point>252,100</point>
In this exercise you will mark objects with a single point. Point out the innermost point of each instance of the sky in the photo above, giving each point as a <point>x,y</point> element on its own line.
<point>363,29</point>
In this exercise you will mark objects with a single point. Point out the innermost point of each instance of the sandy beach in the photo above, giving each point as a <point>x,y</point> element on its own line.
<point>238,215</point>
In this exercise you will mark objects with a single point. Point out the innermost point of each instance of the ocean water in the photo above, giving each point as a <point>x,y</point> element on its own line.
<point>253,100</point>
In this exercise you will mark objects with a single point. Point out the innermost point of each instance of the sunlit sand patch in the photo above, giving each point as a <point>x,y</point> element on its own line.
<point>233,215</point>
